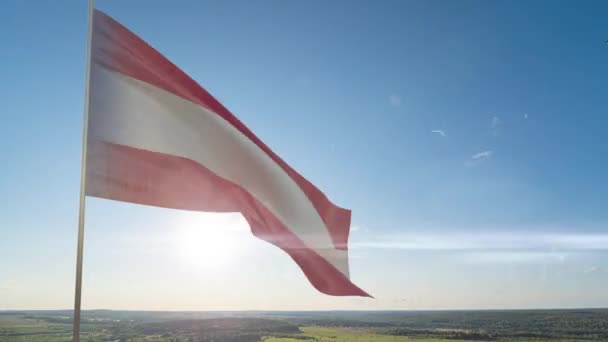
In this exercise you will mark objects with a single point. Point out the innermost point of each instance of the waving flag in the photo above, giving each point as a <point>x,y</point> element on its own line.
<point>158,138</point>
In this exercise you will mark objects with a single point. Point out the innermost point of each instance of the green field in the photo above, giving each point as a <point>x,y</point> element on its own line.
<point>324,334</point>
<point>323,326</point>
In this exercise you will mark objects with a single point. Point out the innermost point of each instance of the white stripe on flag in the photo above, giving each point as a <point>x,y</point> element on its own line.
<point>133,113</point>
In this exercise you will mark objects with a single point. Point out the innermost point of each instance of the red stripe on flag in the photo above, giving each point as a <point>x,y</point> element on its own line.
<point>118,49</point>
<point>128,174</point>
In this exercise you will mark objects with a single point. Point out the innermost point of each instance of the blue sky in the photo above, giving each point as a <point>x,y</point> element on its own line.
<point>505,205</point>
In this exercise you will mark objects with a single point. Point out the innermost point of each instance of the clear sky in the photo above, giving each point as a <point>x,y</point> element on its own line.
<point>468,138</point>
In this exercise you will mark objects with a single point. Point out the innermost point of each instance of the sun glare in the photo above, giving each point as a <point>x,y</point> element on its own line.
<point>210,240</point>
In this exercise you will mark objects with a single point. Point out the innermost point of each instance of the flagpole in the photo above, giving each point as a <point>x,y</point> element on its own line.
<point>83,173</point>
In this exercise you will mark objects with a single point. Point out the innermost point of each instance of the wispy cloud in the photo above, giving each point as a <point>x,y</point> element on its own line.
<point>482,155</point>
<point>439,131</point>
<point>495,125</point>
<point>496,241</point>
<point>591,269</point>
<point>394,100</point>
<point>525,116</point>
<point>479,157</point>
<point>356,228</point>
<point>496,122</point>
<point>516,257</point>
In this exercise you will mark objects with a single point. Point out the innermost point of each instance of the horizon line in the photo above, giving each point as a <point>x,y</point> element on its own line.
<point>296,310</point>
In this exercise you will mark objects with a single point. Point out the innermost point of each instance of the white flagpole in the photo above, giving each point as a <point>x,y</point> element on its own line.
<point>83,173</point>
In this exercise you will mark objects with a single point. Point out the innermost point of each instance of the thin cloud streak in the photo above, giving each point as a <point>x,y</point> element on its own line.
<point>495,241</point>
<point>482,155</point>
<point>592,269</point>
<point>515,257</point>
<point>495,126</point>
<point>496,122</point>
<point>478,158</point>
<point>439,131</point>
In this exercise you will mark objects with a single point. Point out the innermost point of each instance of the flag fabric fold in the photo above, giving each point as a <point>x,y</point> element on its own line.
<point>158,138</point>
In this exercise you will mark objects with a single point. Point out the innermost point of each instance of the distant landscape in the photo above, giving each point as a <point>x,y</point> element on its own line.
<point>296,326</point>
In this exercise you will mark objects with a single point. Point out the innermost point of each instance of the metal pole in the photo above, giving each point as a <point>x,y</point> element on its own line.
<point>83,173</point>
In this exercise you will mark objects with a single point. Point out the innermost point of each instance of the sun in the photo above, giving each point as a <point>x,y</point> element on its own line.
<point>209,240</point>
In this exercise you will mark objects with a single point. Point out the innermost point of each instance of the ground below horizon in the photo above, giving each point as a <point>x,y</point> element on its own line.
<point>322,326</point>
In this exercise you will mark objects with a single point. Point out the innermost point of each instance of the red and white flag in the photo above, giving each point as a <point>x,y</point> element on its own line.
<point>157,138</point>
